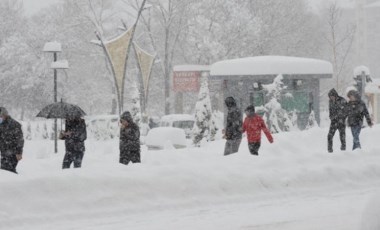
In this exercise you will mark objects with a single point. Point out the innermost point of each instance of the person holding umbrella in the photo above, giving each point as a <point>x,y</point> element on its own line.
<point>11,141</point>
<point>74,135</point>
<point>129,140</point>
<point>75,131</point>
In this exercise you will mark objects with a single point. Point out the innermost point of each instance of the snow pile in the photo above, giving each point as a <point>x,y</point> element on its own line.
<point>271,65</point>
<point>44,197</point>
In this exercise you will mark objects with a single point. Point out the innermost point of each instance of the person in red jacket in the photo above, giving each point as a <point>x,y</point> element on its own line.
<point>253,125</point>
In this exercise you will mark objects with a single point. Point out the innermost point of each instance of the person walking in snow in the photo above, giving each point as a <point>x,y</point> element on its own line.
<point>74,135</point>
<point>129,140</point>
<point>253,125</point>
<point>11,141</point>
<point>232,131</point>
<point>338,115</point>
<point>357,110</point>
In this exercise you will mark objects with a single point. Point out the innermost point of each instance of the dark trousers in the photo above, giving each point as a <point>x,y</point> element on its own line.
<point>126,158</point>
<point>254,148</point>
<point>232,146</point>
<point>342,134</point>
<point>355,130</point>
<point>9,163</point>
<point>72,157</point>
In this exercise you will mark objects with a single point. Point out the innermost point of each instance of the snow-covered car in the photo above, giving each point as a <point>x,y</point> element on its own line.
<point>181,121</point>
<point>166,138</point>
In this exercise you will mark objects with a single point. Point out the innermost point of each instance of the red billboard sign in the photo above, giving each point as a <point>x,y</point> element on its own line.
<point>186,81</point>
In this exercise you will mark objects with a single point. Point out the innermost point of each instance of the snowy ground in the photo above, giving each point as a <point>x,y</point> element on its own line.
<point>294,184</point>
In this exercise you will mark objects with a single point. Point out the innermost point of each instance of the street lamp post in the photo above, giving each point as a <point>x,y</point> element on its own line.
<point>55,48</point>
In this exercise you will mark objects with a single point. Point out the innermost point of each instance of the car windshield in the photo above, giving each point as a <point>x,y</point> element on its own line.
<point>183,124</point>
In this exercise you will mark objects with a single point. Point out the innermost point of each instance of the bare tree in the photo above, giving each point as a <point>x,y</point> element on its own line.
<point>164,32</point>
<point>340,42</point>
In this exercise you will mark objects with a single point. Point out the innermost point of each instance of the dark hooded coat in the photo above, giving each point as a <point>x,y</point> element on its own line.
<point>75,142</point>
<point>233,130</point>
<point>337,108</point>
<point>129,141</point>
<point>11,137</point>
<point>357,110</point>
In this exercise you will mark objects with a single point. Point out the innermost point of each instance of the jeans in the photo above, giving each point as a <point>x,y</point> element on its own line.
<point>355,134</point>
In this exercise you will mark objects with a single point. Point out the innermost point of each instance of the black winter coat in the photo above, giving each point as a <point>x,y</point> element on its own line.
<point>11,137</point>
<point>357,110</point>
<point>75,141</point>
<point>234,124</point>
<point>337,108</point>
<point>130,144</point>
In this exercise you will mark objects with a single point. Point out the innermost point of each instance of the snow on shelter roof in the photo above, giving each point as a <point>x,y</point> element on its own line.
<point>271,65</point>
<point>185,68</point>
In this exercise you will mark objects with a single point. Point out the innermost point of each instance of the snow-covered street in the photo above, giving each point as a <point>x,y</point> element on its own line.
<point>189,115</point>
<point>293,184</point>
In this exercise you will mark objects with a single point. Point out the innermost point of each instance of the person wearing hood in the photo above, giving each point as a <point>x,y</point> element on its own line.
<point>357,110</point>
<point>129,140</point>
<point>11,141</point>
<point>74,135</point>
<point>254,125</point>
<point>338,116</point>
<point>232,131</point>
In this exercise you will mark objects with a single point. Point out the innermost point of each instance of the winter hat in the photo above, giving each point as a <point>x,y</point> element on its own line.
<point>250,110</point>
<point>333,93</point>
<point>3,111</point>
<point>230,102</point>
<point>126,116</point>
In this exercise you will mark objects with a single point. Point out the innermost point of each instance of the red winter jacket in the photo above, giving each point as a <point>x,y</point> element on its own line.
<point>253,126</point>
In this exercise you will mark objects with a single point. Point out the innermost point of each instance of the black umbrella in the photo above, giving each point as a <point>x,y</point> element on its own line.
<point>61,110</point>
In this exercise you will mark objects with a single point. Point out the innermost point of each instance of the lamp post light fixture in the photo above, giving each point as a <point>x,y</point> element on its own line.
<point>55,48</point>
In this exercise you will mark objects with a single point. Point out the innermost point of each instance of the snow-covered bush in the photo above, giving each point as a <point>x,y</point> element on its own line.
<point>166,137</point>
<point>205,126</point>
<point>294,119</point>
<point>312,122</point>
<point>277,118</point>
